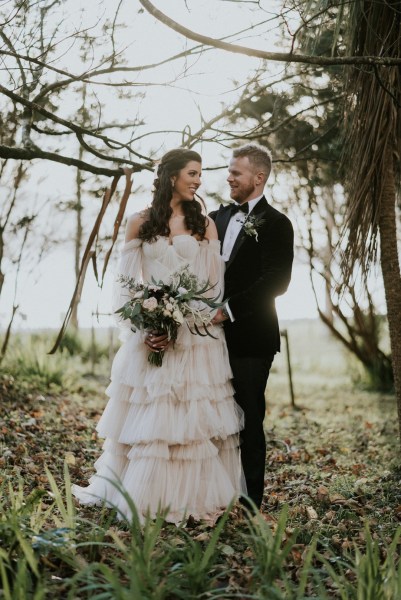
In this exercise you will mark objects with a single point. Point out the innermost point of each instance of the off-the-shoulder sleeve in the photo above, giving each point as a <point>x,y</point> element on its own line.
<point>130,265</point>
<point>211,267</point>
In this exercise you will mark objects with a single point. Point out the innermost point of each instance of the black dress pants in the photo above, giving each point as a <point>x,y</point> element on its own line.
<point>250,378</point>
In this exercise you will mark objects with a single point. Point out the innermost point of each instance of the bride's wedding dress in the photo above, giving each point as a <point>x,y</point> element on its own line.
<point>171,432</point>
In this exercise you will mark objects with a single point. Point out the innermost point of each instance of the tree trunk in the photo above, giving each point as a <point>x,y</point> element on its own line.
<point>78,241</point>
<point>7,334</point>
<point>2,277</point>
<point>328,200</point>
<point>391,271</point>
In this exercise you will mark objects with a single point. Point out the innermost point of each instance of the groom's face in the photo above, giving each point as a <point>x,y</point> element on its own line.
<point>242,180</point>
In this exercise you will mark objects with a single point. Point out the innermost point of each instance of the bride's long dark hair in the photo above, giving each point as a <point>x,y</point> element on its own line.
<point>159,213</point>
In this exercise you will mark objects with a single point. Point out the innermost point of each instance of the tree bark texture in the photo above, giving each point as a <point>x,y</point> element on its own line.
<point>391,270</point>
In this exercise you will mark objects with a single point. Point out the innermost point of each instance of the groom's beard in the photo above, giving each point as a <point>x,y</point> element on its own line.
<point>241,193</point>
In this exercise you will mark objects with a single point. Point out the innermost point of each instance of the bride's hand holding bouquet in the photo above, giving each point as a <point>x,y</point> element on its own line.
<point>163,307</point>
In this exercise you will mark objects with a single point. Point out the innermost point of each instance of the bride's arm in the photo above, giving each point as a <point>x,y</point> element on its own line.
<point>211,230</point>
<point>154,341</point>
<point>129,265</point>
<point>217,272</point>
<point>134,223</point>
<point>211,267</point>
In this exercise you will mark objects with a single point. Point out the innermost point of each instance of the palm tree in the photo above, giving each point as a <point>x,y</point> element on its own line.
<point>372,153</point>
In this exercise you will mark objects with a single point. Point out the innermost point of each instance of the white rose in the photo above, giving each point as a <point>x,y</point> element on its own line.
<point>196,304</point>
<point>182,290</point>
<point>167,313</point>
<point>150,304</point>
<point>178,316</point>
<point>169,306</point>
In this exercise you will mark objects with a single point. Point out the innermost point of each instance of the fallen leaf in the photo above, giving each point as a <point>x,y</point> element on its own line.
<point>337,499</point>
<point>357,468</point>
<point>312,514</point>
<point>202,537</point>
<point>361,481</point>
<point>70,458</point>
<point>322,492</point>
<point>227,550</point>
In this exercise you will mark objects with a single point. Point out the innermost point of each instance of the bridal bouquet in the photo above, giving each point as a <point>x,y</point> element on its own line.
<point>164,307</point>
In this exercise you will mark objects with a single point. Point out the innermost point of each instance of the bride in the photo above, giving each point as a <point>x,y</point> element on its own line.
<point>171,432</point>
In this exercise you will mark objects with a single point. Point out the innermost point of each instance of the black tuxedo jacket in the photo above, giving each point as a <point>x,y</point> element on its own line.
<point>257,272</point>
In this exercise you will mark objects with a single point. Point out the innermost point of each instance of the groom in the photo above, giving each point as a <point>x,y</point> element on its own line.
<point>257,246</point>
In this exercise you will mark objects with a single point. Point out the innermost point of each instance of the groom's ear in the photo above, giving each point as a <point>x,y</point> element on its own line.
<point>260,177</point>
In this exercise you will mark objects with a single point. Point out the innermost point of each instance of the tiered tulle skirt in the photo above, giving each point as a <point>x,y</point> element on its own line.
<point>171,432</point>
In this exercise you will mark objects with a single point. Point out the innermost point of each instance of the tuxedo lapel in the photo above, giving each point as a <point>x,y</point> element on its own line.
<point>237,245</point>
<point>260,208</point>
<point>222,220</point>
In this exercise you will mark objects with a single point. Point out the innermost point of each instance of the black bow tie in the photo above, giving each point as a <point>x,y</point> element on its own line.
<point>234,208</point>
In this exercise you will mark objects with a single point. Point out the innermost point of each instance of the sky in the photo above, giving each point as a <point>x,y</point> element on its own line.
<point>212,81</point>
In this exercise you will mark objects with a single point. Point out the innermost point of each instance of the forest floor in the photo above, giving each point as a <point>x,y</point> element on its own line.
<point>332,460</point>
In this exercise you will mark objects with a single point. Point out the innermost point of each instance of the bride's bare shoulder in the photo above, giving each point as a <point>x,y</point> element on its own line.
<point>211,230</point>
<point>134,223</point>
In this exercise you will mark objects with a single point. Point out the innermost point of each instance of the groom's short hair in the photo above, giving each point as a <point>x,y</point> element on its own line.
<point>259,156</point>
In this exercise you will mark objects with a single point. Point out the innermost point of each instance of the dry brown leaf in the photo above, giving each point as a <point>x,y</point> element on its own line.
<point>322,492</point>
<point>202,537</point>
<point>361,481</point>
<point>311,513</point>
<point>337,499</point>
<point>70,458</point>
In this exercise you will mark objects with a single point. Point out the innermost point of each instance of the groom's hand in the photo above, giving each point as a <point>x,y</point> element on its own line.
<point>156,341</point>
<point>219,317</point>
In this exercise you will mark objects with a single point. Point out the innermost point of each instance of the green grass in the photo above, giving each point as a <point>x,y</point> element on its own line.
<point>331,512</point>
<point>47,547</point>
<point>28,361</point>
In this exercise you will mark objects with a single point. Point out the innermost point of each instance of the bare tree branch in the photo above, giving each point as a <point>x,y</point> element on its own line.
<point>129,125</point>
<point>274,56</point>
<point>8,43</point>
<point>114,144</point>
<point>95,152</point>
<point>87,75</point>
<point>30,154</point>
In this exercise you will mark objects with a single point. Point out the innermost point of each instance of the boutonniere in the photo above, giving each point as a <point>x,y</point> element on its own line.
<point>252,224</point>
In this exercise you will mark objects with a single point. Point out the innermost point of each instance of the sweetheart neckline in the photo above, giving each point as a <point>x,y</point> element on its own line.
<point>170,240</point>
<point>180,235</point>
<point>137,242</point>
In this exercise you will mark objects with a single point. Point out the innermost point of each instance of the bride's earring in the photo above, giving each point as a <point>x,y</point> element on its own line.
<point>172,183</point>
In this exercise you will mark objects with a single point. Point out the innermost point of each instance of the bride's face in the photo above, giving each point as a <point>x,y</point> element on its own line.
<point>187,181</point>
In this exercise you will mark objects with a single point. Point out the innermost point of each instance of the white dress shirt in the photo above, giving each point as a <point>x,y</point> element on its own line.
<point>233,228</point>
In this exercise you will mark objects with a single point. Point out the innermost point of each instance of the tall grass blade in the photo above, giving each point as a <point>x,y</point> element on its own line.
<point>306,569</point>
<point>6,592</point>
<point>28,553</point>
<point>211,547</point>
<point>69,502</point>
<point>67,510</point>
